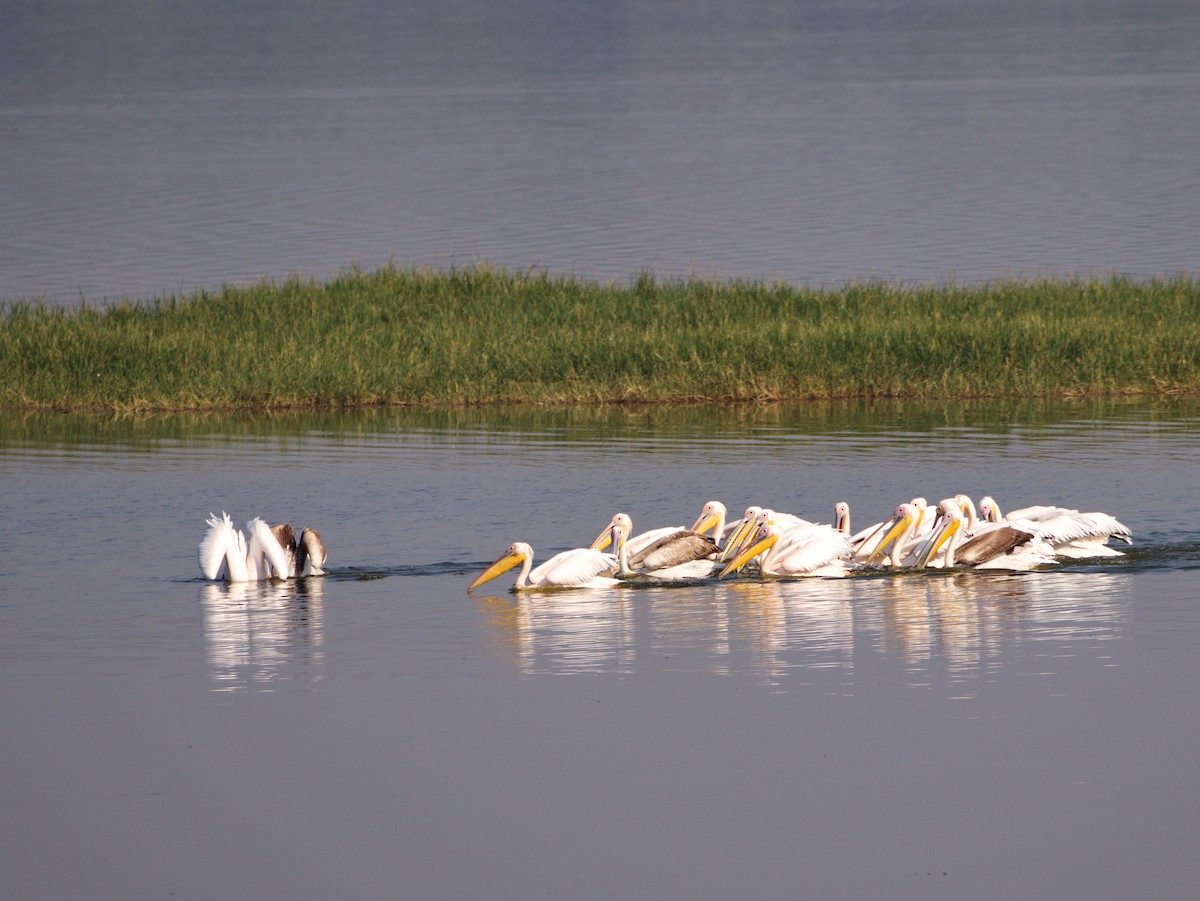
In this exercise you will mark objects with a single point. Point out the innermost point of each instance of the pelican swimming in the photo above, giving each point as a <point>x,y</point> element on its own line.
<point>683,555</point>
<point>868,542</point>
<point>712,518</point>
<point>670,552</point>
<point>812,550</point>
<point>746,530</point>
<point>227,555</point>
<point>581,567</point>
<point>901,535</point>
<point>636,542</point>
<point>858,540</point>
<point>742,528</point>
<point>1009,546</point>
<point>1071,533</point>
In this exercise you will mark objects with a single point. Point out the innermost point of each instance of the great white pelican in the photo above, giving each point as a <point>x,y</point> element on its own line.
<point>806,550</point>
<point>581,567</point>
<point>1016,545</point>
<point>1071,533</point>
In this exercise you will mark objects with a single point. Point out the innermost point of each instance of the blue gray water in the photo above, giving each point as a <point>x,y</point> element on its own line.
<point>157,147</point>
<point>382,733</point>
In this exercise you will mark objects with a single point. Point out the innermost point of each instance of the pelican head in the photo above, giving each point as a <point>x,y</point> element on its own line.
<point>948,508</point>
<point>954,521</point>
<point>741,533</point>
<point>518,552</point>
<point>310,553</point>
<point>989,510</point>
<point>841,517</point>
<point>604,539</point>
<point>902,520</point>
<point>712,516</point>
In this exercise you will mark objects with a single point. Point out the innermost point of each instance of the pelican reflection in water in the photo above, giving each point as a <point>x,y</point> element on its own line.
<point>585,630</point>
<point>257,633</point>
<point>956,628</point>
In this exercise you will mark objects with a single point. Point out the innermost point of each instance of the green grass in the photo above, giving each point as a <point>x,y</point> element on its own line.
<point>481,336</point>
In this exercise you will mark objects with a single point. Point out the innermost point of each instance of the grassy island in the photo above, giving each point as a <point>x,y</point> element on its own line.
<point>481,335</point>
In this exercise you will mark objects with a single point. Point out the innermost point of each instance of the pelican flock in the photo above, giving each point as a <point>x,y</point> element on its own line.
<point>764,543</point>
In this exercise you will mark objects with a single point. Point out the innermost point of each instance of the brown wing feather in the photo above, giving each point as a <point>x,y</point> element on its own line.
<point>990,544</point>
<point>683,546</point>
<point>286,536</point>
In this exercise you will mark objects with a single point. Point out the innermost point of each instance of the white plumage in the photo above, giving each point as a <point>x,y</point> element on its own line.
<point>1071,533</point>
<point>1016,545</point>
<point>805,550</point>
<point>576,568</point>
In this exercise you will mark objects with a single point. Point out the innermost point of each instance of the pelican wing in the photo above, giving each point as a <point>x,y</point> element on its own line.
<point>573,567</point>
<point>1038,512</point>
<point>1107,525</point>
<point>1065,524</point>
<point>802,534</point>
<point>1068,527</point>
<point>213,547</point>
<point>236,558</point>
<point>823,549</point>
<point>285,535</point>
<point>264,546</point>
<point>640,542</point>
<point>683,546</point>
<point>988,545</point>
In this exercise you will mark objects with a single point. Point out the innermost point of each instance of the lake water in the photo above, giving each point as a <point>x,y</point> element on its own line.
<point>381,733</point>
<point>157,147</point>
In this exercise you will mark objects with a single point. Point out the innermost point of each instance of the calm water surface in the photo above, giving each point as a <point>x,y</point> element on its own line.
<point>381,733</point>
<point>154,147</point>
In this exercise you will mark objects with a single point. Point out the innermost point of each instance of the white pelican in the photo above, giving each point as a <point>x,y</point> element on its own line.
<point>812,550</point>
<point>636,542</point>
<point>1003,546</point>
<point>712,518</point>
<point>747,532</point>
<point>901,536</point>
<point>754,519</point>
<point>225,554</point>
<point>868,542</point>
<point>671,545</point>
<point>581,567</point>
<point>1071,533</point>
<point>858,541</point>
<point>741,531</point>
